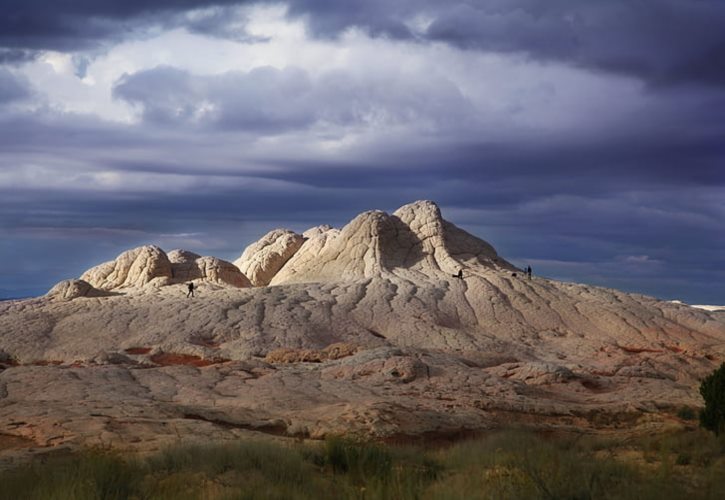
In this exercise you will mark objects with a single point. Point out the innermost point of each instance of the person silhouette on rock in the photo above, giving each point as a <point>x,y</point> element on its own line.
<point>190,293</point>
<point>528,271</point>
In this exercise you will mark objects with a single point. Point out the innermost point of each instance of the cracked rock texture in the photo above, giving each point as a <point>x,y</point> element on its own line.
<point>363,330</point>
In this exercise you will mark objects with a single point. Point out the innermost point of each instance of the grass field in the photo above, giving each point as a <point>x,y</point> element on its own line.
<point>513,464</point>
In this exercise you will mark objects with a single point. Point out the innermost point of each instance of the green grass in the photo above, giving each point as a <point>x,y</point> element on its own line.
<point>501,465</point>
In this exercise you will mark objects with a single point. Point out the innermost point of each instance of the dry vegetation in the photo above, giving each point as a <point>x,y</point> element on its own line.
<point>514,464</point>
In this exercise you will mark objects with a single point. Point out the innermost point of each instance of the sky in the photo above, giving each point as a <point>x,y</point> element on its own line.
<point>581,137</point>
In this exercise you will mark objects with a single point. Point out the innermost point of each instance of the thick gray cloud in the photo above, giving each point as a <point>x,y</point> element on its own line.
<point>662,41</point>
<point>27,26</point>
<point>665,41</point>
<point>15,56</point>
<point>267,99</point>
<point>12,88</point>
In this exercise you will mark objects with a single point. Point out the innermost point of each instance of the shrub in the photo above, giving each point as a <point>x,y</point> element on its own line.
<point>362,461</point>
<point>686,413</point>
<point>712,389</point>
<point>498,465</point>
<point>95,474</point>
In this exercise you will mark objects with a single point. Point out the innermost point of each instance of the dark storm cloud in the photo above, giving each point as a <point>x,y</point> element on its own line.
<point>378,17</point>
<point>667,41</point>
<point>662,42</point>
<point>15,56</point>
<point>267,99</point>
<point>71,25</point>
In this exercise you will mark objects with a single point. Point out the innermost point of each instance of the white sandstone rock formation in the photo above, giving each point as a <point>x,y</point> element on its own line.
<point>415,242</point>
<point>261,260</point>
<point>183,265</point>
<point>149,266</point>
<point>221,272</point>
<point>73,289</point>
<point>188,266</point>
<point>139,267</point>
<point>307,255</point>
<point>354,253</point>
<point>316,231</point>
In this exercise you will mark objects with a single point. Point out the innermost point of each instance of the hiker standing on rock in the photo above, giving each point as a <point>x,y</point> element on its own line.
<point>528,271</point>
<point>190,286</point>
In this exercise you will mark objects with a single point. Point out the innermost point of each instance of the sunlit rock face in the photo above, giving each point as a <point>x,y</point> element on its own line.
<point>261,260</point>
<point>150,267</point>
<point>139,267</point>
<point>414,242</point>
<point>188,266</point>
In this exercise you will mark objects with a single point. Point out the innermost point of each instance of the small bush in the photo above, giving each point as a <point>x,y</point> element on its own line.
<point>92,475</point>
<point>712,389</point>
<point>686,413</point>
<point>361,460</point>
<point>683,458</point>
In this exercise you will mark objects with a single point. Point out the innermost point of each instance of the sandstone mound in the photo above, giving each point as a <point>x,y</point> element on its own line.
<point>221,272</point>
<point>304,261</point>
<point>183,265</point>
<point>73,289</point>
<point>261,260</point>
<point>316,231</point>
<point>149,266</point>
<point>188,266</point>
<point>139,267</point>
<point>415,242</point>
